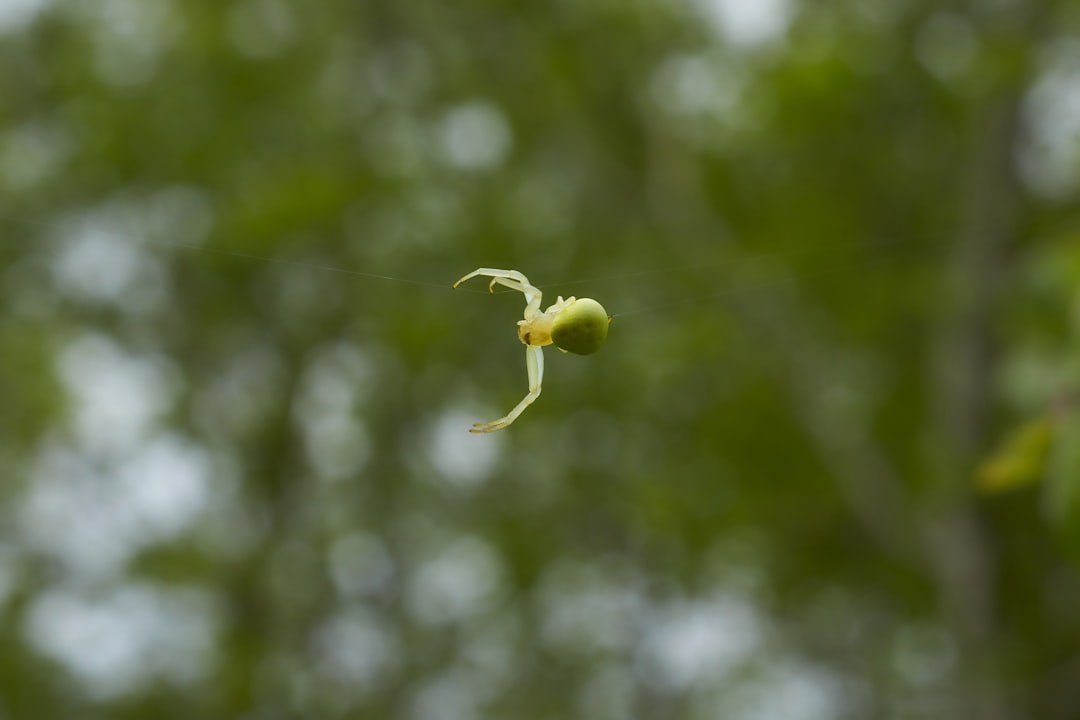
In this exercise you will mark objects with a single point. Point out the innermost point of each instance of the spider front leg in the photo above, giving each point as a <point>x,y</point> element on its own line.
<point>513,280</point>
<point>534,361</point>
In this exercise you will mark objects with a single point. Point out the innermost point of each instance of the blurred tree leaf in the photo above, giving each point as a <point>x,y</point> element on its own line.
<point>1020,459</point>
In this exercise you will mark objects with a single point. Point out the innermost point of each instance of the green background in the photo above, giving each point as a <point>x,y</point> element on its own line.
<point>826,465</point>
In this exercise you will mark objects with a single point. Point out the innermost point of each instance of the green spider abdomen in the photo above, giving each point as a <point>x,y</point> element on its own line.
<point>581,327</point>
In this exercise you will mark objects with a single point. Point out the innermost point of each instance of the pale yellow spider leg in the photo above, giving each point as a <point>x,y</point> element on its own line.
<point>492,272</point>
<point>513,280</point>
<point>532,295</point>
<point>534,361</point>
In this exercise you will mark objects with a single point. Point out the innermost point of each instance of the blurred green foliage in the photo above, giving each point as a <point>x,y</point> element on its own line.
<point>841,244</point>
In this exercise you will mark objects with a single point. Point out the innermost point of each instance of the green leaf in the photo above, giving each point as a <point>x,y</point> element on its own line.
<point>1020,460</point>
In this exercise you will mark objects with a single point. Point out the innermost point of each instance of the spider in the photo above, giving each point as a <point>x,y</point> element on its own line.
<point>572,325</point>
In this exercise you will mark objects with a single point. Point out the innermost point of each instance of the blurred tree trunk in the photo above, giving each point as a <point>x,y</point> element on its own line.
<point>989,217</point>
